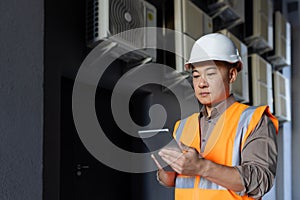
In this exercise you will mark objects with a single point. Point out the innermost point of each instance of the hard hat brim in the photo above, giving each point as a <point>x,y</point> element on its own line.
<point>188,64</point>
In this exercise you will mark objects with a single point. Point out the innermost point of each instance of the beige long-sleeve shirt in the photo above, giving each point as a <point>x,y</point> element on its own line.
<point>259,154</point>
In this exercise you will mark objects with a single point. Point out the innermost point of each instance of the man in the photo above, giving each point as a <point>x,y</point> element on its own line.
<point>229,149</point>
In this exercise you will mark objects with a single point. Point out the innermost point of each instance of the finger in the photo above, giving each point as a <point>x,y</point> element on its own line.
<point>184,147</point>
<point>172,164</point>
<point>156,162</point>
<point>171,155</point>
<point>171,158</point>
<point>174,148</point>
<point>169,151</point>
<point>200,155</point>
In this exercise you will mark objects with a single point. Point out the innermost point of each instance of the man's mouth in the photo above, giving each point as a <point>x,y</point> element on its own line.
<point>204,94</point>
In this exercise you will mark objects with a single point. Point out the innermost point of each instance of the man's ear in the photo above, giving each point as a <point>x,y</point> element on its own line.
<point>232,74</point>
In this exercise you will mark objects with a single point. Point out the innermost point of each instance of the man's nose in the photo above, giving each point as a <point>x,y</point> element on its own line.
<point>202,82</point>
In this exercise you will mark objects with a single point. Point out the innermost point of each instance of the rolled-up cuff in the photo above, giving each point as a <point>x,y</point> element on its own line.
<point>243,192</point>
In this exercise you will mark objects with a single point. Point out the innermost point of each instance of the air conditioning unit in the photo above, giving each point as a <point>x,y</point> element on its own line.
<point>281,56</point>
<point>259,29</point>
<point>240,88</point>
<point>124,22</point>
<point>281,97</point>
<point>261,81</point>
<point>191,22</point>
<point>226,13</point>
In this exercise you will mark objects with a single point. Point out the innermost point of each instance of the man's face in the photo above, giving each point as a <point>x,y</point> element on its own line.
<point>211,82</point>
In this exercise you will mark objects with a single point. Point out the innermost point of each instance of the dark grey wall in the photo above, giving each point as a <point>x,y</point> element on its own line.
<point>21,99</point>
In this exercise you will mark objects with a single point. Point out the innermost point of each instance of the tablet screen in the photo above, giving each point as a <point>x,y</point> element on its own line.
<point>157,139</point>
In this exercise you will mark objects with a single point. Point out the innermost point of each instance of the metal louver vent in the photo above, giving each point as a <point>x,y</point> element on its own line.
<point>92,20</point>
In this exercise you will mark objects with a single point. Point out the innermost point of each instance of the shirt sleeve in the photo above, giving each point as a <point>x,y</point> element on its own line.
<point>259,159</point>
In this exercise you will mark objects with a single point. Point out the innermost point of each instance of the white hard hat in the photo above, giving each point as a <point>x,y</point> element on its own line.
<point>214,46</point>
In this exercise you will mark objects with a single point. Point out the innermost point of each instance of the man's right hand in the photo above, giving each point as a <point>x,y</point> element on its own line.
<point>165,178</point>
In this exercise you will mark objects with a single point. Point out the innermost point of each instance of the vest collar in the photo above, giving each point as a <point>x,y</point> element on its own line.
<point>218,109</point>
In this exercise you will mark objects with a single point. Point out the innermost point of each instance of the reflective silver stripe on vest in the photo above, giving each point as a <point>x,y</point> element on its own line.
<point>180,129</point>
<point>185,182</point>
<point>240,133</point>
<point>208,185</point>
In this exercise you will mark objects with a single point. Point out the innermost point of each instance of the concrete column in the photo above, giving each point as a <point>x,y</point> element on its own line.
<point>296,112</point>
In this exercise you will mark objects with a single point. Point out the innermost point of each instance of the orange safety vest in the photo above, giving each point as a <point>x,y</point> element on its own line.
<point>224,147</point>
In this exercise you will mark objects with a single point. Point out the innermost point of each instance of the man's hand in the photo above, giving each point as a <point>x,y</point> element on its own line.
<point>165,178</point>
<point>191,163</point>
<point>187,162</point>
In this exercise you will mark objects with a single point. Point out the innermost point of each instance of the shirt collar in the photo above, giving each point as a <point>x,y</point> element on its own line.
<point>219,108</point>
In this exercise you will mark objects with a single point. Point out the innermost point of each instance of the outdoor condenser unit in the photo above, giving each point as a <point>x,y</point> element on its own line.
<point>281,55</point>
<point>240,88</point>
<point>226,13</point>
<point>191,22</point>
<point>120,19</point>
<point>261,81</point>
<point>259,29</point>
<point>281,97</point>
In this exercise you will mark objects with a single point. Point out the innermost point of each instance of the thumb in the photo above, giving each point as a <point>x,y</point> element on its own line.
<point>183,146</point>
<point>156,162</point>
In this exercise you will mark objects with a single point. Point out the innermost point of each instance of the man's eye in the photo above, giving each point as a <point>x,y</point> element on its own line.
<point>196,76</point>
<point>210,74</point>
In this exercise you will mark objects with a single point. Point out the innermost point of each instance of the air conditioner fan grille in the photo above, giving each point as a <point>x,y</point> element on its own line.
<point>127,15</point>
